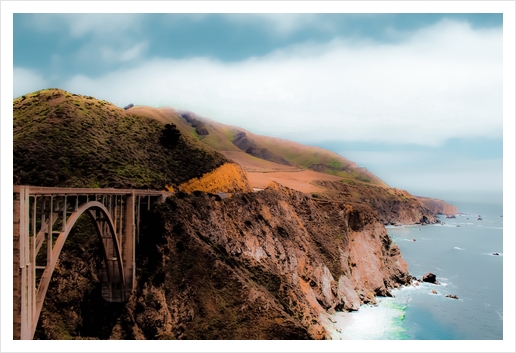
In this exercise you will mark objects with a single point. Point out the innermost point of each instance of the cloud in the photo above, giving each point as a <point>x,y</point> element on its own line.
<point>26,81</point>
<point>384,158</point>
<point>110,54</point>
<point>81,24</point>
<point>282,24</point>
<point>444,81</point>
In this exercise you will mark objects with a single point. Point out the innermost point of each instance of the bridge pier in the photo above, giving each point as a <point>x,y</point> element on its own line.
<point>23,268</point>
<point>129,245</point>
<point>36,210</point>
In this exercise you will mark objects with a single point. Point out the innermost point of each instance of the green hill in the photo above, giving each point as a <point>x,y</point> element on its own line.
<point>65,139</point>
<point>225,138</point>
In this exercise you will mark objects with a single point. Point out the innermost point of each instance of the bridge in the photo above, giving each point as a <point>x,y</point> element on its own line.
<point>43,218</point>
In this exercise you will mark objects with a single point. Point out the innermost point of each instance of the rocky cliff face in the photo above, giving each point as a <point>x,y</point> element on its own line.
<point>438,206</point>
<point>266,265</point>
<point>394,206</point>
<point>259,265</point>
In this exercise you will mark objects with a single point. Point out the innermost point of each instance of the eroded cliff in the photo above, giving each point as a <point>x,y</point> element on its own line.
<point>265,265</point>
<point>438,206</point>
<point>394,206</point>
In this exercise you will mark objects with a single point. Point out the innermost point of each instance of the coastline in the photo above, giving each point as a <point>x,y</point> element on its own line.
<point>337,324</point>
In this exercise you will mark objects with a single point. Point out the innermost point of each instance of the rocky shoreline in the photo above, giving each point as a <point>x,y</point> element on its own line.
<point>273,264</point>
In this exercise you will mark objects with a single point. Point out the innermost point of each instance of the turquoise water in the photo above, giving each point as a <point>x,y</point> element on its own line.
<point>463,261</point>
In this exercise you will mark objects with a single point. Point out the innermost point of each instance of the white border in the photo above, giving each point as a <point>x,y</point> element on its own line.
<point>505,7</point>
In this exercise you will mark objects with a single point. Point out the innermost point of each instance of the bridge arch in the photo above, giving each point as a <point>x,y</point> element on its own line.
<point>37,211</point>
<point>93,209</point>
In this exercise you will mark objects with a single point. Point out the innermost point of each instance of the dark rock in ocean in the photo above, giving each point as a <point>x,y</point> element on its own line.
<point>451,296</point>
<point>430,278</point>
<point>496,254</point>
<point>413,239</point>
<point>434,291</point>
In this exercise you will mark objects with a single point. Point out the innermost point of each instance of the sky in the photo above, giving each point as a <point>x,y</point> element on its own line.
<point>414,98</point>
<point>410,90</point>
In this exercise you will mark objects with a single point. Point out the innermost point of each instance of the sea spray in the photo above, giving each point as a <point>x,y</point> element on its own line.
<point>381,322</point>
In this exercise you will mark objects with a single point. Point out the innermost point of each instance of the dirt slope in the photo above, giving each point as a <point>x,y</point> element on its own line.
<point>224,138</point>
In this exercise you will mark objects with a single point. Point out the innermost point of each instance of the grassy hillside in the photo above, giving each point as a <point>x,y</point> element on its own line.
<point>64,139</point>
<point>282,152</point>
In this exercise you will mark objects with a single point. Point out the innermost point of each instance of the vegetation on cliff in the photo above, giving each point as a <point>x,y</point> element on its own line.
<point>226,178</point>
<point>284,152</point>
<point>64,139</point>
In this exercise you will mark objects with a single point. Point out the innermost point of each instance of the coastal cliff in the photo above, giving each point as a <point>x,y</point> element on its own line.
<point>264,265</point>
<point>438,206</point>
<point>272,264</point>
<point>393,206</point>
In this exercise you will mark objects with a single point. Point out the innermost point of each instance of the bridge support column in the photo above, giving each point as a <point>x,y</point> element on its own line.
<point>128,245</point>
<point>23,286</point>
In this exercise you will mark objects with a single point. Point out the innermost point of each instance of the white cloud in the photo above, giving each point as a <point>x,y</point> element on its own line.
<point>109,54</point>
<point>102,24</point>
<point>384,158</point>
<point>282,24</point>
<point>81,24</point>
<point>444,81</point>
<point>26,81</point>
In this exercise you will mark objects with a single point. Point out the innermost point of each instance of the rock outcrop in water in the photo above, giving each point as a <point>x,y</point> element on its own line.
<point>430,278</point>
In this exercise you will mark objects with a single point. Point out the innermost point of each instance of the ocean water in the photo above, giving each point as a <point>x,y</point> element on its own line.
<point>460,254</point>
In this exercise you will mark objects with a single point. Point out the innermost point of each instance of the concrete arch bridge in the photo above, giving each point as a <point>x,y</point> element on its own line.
<point>42,220</point>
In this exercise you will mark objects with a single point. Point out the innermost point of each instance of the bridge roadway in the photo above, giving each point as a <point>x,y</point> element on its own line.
<point>42,220</point>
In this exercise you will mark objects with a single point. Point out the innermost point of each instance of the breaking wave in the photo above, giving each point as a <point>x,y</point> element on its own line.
<point>382,322</point>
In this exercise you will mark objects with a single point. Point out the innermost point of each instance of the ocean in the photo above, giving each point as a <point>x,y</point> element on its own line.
<point>461,255</point>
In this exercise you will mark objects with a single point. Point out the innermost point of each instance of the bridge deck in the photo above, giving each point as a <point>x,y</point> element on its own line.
<point>42,190</point>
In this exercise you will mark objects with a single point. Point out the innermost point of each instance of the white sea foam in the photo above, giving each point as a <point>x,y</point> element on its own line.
<point>491,253</point>
<point>382,322</point>
<point>457,248</point>
<point>448,225</point>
